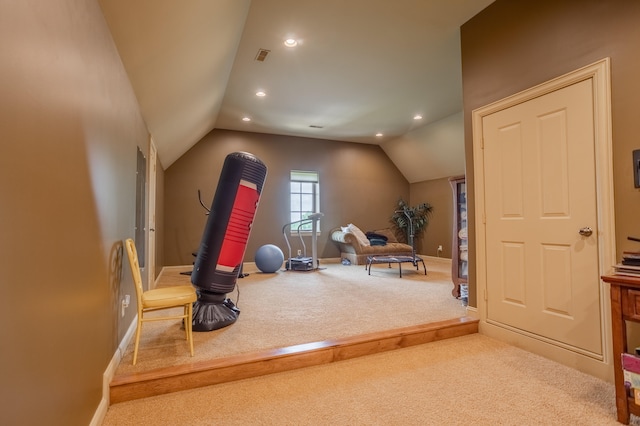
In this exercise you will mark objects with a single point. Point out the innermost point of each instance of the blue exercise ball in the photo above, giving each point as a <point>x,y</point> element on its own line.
<point>269,258</point>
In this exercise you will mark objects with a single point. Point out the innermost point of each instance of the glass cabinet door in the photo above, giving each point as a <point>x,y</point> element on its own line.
<point>459,252</point>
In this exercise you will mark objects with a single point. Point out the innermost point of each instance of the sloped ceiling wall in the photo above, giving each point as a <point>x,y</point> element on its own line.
<point>178,56</point>
<point>361,67</point>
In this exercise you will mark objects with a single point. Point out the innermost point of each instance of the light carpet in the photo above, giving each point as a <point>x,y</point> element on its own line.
<point>289,308</point>
<point>469,380</point>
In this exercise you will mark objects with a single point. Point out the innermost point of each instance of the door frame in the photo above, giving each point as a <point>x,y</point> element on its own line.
<point>599,73</point>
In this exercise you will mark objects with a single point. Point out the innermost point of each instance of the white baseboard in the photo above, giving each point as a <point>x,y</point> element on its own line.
<point>250,267</point>
<point>107,376</point>
<point>472,312</point>
<point>172,268</point>
<point>434,259</point>
<point>330,260</point>
<point>600,368</point>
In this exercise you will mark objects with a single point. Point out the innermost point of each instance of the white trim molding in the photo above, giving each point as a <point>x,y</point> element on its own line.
<point>108,374</point>
<point>599,74</point>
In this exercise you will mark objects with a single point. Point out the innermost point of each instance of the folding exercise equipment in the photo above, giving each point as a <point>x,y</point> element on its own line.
<point>303,262</point>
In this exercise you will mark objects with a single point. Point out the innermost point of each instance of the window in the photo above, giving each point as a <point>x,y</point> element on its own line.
<point>305,198</point>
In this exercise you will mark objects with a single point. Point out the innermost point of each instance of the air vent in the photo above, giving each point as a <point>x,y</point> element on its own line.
<point>262,55</point>
<point>313,126</point>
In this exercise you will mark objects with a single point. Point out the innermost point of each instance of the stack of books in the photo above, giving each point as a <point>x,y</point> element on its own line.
<point>631,373</point>
<point>630,264</point>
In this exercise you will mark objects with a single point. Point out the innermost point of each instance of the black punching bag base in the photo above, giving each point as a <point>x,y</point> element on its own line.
<point>213,311</point>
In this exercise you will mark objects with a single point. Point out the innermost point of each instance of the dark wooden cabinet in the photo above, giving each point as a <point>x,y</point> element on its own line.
<point>459,252</point>
<point>625,306</point>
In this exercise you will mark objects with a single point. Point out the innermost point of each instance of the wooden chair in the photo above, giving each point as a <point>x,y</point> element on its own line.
<point>158,299</point>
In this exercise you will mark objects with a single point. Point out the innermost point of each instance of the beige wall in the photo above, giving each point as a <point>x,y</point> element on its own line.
<point>430,151</point>
<point>358,184</point>
<point>69,125</point>
<point>439,194</point>
<point>511,46</point>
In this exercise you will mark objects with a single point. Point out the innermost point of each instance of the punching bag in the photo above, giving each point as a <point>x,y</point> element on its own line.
<point>224,241</point>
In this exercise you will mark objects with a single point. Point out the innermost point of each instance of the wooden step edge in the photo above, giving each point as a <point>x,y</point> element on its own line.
<point>282,352</point>
<point>173,379</point>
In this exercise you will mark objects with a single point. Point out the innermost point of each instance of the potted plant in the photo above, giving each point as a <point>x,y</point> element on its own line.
<point>406,219</point>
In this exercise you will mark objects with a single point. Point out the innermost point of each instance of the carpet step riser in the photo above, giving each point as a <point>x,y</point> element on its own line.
<point>285,360</point>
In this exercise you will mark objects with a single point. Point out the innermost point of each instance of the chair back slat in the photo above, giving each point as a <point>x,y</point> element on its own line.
<point>132,254</point>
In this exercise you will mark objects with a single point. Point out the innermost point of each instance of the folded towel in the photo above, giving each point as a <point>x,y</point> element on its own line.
<point>372,235</point>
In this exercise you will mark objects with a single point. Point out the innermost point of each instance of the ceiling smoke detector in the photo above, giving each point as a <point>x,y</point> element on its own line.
<point>262,54</point>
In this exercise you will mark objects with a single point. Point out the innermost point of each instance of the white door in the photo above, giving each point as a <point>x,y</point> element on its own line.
<point>151,234</point>
<point>542,268</point>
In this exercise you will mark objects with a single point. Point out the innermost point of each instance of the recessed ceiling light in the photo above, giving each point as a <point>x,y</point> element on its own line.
<point>246,119</point>
<point>379,135</point>
<point>290,42</point>
<point>417,117</point>
<point>261,94</point>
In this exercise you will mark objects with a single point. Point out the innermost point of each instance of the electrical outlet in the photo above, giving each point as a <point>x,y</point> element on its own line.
<point>440,248</point>
<point>299,253</point>
<point>125,304</point>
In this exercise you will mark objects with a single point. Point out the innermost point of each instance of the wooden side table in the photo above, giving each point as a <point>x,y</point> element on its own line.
<point>625,306</point>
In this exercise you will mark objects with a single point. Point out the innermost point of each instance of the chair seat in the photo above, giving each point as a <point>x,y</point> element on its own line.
<point>169,296</point>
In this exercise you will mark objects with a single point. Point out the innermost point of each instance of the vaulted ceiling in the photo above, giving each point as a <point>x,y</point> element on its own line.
<point>360,67</point>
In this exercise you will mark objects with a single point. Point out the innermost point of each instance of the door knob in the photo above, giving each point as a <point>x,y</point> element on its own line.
<point>586,231</point>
